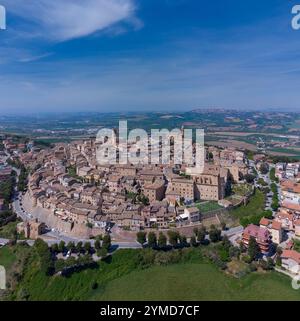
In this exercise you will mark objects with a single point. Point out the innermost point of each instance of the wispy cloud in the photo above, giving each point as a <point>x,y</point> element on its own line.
<point>68,19</point>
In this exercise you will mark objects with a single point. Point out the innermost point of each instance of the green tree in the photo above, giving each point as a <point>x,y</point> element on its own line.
<point>97,245</point>
<point>201,235</point>
<point>162,240</point>
<point>214,234</point>
<point>152,240</point>
<point>173,238</point>
<point>249,178</point>
<point>106,243</point>
<point>71,246</point>
<point>183,240</point>
<point>102,252</point>
<point>253,249</point>
<point>226,243</point>
<point>234,251</point>
<point>87,247</point>
<point>141,237</point>
<point>264,168</point>
<point>79,246</point>
<point>44,254</point>
<point>193,241</point>
<point>54,248</point>
<point>61,246</point>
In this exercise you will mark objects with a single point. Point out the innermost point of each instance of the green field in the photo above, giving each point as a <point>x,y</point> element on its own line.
<point>196,282</point>
<point>7,231</point>
<point>209,206</point>
<point>119,278</point>
<point>7,257</point>
<point>254,206</point>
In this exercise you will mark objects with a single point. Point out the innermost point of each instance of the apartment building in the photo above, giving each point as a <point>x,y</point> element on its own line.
<point>155,191</point>
<point>261,235</point>
<point>183,187</point>
<point>274,227</point>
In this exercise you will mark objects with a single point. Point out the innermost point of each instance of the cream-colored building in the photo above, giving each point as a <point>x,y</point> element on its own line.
<point>155,191</point>
<point>183,187</point>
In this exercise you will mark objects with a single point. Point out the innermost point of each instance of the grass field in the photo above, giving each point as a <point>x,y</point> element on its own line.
<point>196,282</point>
<point>7,257</point>
<point>120,279</point>
<point>208,206</point>
<point>7,231</point>
<point>254,206</point>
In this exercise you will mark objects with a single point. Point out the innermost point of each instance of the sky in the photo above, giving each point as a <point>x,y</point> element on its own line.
<point>148,55</point>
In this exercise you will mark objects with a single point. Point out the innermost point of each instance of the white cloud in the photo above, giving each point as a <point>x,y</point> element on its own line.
<point>68,19</point>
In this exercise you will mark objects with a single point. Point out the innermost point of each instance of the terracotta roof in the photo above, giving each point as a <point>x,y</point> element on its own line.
<point>284,215</point>
<point>290,186</point>
<point>264,221</point>
<point>291,206</point>
<point>291,254</point>
<point>257,232</point>
<point>276,225</point>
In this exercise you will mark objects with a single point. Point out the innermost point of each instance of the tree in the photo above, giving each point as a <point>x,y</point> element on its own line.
<point>264,168</point>
<point>102,252</point>
<point>226,243</point>
<point>45,258</point>
<point>106,243</point>
<point>152,240</point>
<point>249,178</point>
<point>201,234</point>
<point>183,240</point>
<point>214,234</point>
<point>97,245</point>
<point>253,249</point>
<point>71,246</point>
<point>234,251</point>
<point>270,263</point>
<point>54,248</point>
<point>59,265</point>
<point>79,247</point>
<point>87,247</point>
<point>141,237</point>
<point>61,246</point>
<point>242,247</point>
<point>173,238</point>
<point>193,241</point>
<point>162,240</point>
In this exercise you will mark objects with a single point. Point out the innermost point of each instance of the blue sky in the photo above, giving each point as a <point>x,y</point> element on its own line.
<point>128,55</point>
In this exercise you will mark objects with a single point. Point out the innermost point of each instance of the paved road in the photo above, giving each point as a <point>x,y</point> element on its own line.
<point>233,231</point>
<point>268,180</point>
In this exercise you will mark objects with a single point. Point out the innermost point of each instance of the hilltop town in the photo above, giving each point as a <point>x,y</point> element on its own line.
<point>62,194</point>
<point>70,192</point>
